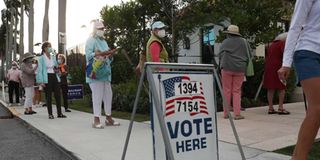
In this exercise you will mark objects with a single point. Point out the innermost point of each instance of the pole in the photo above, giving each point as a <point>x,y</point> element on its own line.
<point>132,116</point>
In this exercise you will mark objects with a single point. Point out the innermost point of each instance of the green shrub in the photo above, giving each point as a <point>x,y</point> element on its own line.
<point>250,87</point>
<point>124,95</point>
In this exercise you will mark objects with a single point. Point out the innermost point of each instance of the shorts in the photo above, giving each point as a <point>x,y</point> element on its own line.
<point>307,64</point>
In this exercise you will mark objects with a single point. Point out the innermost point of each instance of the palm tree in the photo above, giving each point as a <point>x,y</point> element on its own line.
<point>45,28</point>
<point>62,26</point>
<point>31,25</point>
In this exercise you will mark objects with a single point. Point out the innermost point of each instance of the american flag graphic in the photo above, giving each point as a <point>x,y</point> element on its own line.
<point>171,97</point>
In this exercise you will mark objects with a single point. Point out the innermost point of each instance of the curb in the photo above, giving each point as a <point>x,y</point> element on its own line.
<point>41,135</point>
<point>7,113</point>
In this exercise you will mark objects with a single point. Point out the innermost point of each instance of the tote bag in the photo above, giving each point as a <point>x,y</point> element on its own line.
<point>250,69</point>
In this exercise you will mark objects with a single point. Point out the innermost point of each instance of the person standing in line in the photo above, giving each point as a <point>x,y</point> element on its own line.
<point>63,72</point>
<point>37,92</point>
<point>234,58</point>
<point>27,81</point>
<point>156,52</point>
<point>303,50</point>
<point>13,77</point>
<point>47,77</point>
<point>98,52</point>
<point>271,79</point>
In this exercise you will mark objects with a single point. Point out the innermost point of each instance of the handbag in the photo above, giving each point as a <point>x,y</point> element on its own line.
<point>250,69</point>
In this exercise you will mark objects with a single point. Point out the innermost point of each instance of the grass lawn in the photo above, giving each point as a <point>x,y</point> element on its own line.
<point>313,155</point>
<point>83,105</point>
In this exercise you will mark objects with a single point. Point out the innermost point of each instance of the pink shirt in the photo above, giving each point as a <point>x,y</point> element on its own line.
<point>14,75</point>
<point>155,50</point>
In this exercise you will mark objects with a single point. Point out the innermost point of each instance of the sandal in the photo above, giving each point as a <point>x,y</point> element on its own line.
<point>272,111</point>
<point>238,117</point>
<point>97,126</point>
<point>111,122</point>
<point>283,112</point>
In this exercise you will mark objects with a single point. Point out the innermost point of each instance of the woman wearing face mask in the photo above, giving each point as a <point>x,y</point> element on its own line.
<point>63,72</point>
<point>27,81</point>
<point>156,52</point>
<point>98,58</point>
<point>47,77</point>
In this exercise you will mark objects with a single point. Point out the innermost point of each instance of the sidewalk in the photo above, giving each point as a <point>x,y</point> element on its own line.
<point>259,133</point>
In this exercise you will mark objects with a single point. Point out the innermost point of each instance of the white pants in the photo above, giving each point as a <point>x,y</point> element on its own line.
<point>101,91</point>
<point>29,92</point>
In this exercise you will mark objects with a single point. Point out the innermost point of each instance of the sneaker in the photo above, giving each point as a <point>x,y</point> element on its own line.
<point>67,110</point>
<point>238,117</point>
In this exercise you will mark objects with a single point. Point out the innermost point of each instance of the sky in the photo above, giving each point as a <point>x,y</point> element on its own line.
<point>79,13</point>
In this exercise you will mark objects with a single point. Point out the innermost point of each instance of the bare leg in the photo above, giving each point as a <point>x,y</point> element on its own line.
<point>281,98</point>
<point>311,123</point>
<point>270,98</point>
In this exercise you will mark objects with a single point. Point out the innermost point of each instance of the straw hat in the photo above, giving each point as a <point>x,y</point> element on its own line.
<point>26,56</point>
<point>233,29</point>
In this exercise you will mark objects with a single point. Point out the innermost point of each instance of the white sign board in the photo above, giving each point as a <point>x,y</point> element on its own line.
<point>188,109</point>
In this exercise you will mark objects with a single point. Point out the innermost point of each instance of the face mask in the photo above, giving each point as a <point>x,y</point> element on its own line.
<point>100,33</point>
<point>49,50</point>
<point>34,65</point>
<point>161,33</point>
<point>59,61</point>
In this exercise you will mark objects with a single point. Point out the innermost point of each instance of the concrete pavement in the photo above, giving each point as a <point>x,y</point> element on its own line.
<point>259,134</point>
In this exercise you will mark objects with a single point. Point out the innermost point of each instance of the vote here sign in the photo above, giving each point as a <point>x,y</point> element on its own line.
<point>188,109</point>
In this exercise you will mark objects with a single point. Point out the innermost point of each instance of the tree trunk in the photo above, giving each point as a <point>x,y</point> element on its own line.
<point>31,26</point>
<point>62,27</point>
<point>15,34</point>
<point>9,60</point>
<point>45,27</point>
<point>21,43</point>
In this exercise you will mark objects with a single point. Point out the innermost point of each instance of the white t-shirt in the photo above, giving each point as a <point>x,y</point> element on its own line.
<point>49,64</point>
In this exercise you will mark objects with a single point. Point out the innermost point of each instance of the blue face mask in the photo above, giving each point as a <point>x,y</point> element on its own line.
<point>59,61</point>
<point>50,50</point>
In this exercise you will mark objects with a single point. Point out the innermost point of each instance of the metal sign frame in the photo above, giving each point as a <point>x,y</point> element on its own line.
<point>148,69</point>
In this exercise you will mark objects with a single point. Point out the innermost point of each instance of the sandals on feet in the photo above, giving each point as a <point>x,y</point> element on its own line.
<point>238,117</point>
<point>272,111</point>
<point>111,122</point>
<point>97,126</point>
<point>283,112</point>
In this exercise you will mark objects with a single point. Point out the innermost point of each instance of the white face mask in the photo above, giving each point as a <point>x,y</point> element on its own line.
<point>161,33</point>
<point>34,65</point>
<point>100,33</point>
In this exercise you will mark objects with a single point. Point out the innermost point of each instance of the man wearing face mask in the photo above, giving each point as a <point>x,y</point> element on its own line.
<point>13,77</point>
<point>156,52</point>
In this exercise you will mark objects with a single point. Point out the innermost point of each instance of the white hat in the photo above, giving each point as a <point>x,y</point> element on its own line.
<point>233,29</point>
<point>98,25</point>
<point>158,25</point>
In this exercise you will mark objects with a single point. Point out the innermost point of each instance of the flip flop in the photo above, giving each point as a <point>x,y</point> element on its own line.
<point>283,112</point>
<point>272,111</point>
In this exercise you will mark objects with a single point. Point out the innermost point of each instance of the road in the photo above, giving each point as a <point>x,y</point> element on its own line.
<point>19,141</point>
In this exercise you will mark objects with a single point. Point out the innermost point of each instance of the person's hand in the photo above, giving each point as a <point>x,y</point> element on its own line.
<point>43,84</point>
<point>110,52</point>
<point>283,74</point>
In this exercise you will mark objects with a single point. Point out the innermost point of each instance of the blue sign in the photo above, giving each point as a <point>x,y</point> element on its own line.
<point>75,91</point>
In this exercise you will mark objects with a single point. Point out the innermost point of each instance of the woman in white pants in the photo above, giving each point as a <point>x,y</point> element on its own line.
<point>98,74</point>
<point>27,80</point>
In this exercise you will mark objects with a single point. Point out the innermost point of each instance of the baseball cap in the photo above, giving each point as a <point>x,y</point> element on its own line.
<point>158,25</point>
<point>98,25</point>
